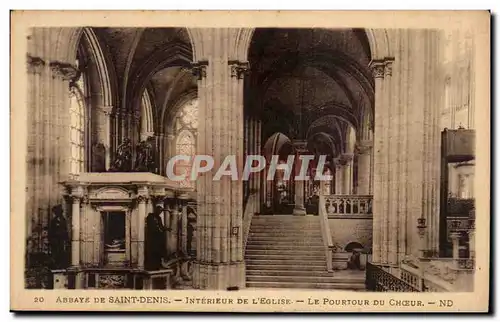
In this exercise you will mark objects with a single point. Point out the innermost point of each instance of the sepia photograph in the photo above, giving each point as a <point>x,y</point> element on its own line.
<point>167,159</point>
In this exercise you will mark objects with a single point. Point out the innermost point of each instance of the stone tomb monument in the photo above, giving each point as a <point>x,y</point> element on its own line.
<point>108,212</point>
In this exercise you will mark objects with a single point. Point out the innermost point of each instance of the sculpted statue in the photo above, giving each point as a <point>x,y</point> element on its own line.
<point>155,240</point>
<point>145,161</point>
<point>123,158</point>
<point>59,238</point>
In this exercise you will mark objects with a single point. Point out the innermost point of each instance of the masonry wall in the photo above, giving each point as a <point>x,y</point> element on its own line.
<point>348,230</point>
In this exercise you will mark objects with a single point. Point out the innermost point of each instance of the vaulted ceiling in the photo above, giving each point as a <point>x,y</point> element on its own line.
<point>149,58</point>
<point>305,83</point>
<point>314,82</point>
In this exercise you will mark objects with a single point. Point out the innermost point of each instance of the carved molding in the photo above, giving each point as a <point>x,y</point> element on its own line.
<point>111,207</point>
<point>112,193</point>
<point>35,64</point>
<point>377,67</point>
<point>199,69</point>
<point>239,69</point>
<point>65,71</point>
<point>363,147</point>
<point>388,66</point>
<point>107,110</point>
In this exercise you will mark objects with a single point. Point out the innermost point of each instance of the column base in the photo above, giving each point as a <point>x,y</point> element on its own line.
<point>222,276</point>
<point>299,211</point>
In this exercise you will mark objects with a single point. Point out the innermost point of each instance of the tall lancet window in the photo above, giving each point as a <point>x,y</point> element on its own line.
<point>186,126</point>
<point>77,124</point>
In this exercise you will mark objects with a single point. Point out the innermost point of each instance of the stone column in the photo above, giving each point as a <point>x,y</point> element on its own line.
<point>219,263</point>
<point>339,177</point>
<point>248,151</point>
<point>364,150</point>
<point>48,126</point>
<point>420,122</point>
<point>75,231</point>
<point>37,70</point>
<point>141,225</point>
<point>454,236</point>
<point>184,222</point>
<point>167,220</point>
<point>472,243</point>
<point>174,227</point>
<point>393,163</point>
<point>160,153</point>
<point>299,209</point>
<point>258,176</point>
<point>379,169</point>
<point>347,174</point>
<point>104,131</point>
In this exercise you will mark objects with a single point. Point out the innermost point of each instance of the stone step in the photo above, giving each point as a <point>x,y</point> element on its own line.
<point>310,224</point>
<point>285,247</point>
<point>294,235</point>
<point>310,268</point>
<point>308,257</point>
<point>282,272</point>
<point>270,228</point>
<point>284,217</point>
<point>276,241</point>
<point>304,279</point>
<point>285,231</point>
<point>287,261</point>
<point>305,285</point>
<point>291,251</point>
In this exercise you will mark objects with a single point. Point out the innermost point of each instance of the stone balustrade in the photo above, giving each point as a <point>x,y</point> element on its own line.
<point>350,205</point>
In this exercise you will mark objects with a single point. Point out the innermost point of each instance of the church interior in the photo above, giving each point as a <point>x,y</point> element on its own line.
<point>391,109</point>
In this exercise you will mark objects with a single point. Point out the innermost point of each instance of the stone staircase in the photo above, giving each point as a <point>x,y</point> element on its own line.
<point>285,251</point>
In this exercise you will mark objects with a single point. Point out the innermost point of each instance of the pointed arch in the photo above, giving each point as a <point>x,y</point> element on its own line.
<point>147,125</point>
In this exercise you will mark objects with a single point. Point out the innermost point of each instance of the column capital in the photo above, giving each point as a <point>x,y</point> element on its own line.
<point>347,157</point>
<point>146,135</point>
<point>337,162</point>
<point>363,147</point>
<point>141,198</point>
<point>199,69</point>
<point>107,110</point>
<point>65,71</point>
<point>377,67</point>
<point>388,66</point>
<point>35,64</point>
<point>239,69</point>
<point>76,198</point>
<point>142,194</point>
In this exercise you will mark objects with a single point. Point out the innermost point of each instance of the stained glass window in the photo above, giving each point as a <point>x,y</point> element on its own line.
<point>77,126</point>
<point>186,126</point>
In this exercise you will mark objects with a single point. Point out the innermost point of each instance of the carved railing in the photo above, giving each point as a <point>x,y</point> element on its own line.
<point>251,207</point>
<point>348,205</point>
<point>326,234</point>
<point>379,280</point>
<point>448,274</point>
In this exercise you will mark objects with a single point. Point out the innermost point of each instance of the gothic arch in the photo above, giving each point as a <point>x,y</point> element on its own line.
<point>147,123</point>
<point>172,55</point>
<point>377,38</point>
<point>65,51</point>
